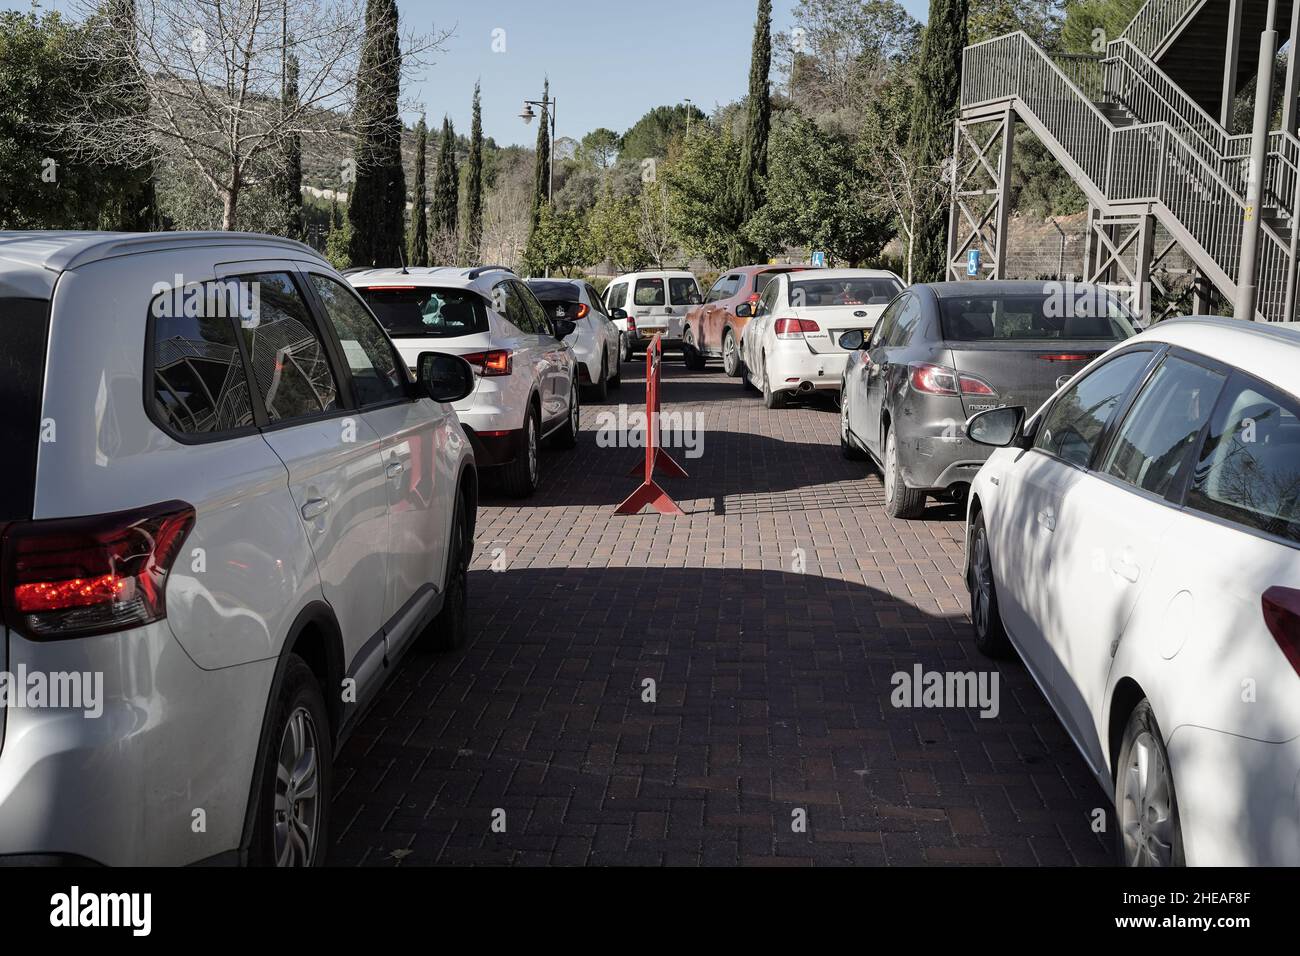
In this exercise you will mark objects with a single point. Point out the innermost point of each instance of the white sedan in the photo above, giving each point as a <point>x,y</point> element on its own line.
<point>791,345</point>
<point>1136,542</point>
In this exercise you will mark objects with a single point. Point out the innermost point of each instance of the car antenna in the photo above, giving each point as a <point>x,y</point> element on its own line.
<point>401,257</point>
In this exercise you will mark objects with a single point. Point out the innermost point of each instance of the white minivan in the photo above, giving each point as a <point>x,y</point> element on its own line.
<point>645,304</point>
<point>226,511</point>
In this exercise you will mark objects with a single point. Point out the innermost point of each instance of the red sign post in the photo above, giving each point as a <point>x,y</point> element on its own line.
<point>650,493</point>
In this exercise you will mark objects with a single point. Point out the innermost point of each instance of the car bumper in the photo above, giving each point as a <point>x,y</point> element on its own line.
<point>935,455</point>
<point>493,448</point>
<point>158,772</point>
<point>793,371</point>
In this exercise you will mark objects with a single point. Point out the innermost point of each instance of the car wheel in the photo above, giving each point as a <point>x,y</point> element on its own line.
<point>847,448</point>
<point>567,436</point>
<point>450,628</point>
<point>900,500</point>
<point>745,381</point>
<point>292,824</point>
<point>730,355</point>
<point>990,636</point>
<point>600,391</point>
<point>770,398</point>
<point>625,346</point>
<point>1149,832</point>
<point>520,477</point>
<point>691,355</point>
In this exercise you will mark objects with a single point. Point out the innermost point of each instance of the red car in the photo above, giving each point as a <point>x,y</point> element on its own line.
<point>714,327</point>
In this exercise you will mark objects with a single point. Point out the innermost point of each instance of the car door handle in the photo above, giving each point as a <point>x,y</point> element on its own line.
<point>394,469</point>
<point>1047,518</point>
<point>314,508</point>
<point>1126,568</point>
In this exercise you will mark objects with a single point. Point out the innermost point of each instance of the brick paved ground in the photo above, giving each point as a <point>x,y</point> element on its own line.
<point>773,683</point>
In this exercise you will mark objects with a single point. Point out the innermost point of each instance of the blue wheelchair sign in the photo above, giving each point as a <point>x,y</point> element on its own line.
<point>973,262</point>
<point>819,260</point>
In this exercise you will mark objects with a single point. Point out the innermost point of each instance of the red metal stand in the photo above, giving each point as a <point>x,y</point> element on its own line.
<point>655,457</point>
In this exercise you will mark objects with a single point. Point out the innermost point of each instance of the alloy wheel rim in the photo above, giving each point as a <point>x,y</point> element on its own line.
<point>729,353</point>
<point>1146,806</point>
<point>844,423</point>
<point>889,467</point>
<point>983,583</point>
<point>296,809</point>
<point>532,451</point>
<point>574,412</point>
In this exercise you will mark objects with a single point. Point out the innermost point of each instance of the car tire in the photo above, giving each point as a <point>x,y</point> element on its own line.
<point>1147,831</point>
<point>567,436</point>
<point>691,355</point>
<point>986,617</point>
<point>847,448</point>
<point>730,355</point>
<point>900,500</point>
<point>616,380</point>
<point>291,827</point>
<point>600,392</point>
<point>746,382</point>
<point>450,629</point>
<point>625,347</point>
<point>770,398</point>
<point>521,476</point>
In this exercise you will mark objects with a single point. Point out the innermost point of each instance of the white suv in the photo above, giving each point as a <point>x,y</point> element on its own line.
<point>226,511</point>
<point>597,342</point>
<point>643,304</point>
<point>526,372</point>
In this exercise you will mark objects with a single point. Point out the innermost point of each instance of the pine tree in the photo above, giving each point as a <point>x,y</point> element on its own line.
<point>542,177</point>
<point>938,90</point>
<point>753,157</point>
<point>474,188</point>
<point>419,225</point>
<point>377,204</point>
<point>446,186</point>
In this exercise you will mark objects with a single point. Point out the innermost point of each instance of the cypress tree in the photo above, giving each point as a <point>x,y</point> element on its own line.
<point>138,210</point>
<point>474,187</point>
<point>419,225</point>
<point>938,91</point>
<point>377,204</point>
<point>446,186</point>
<point>288,178</point>
<point>753,157</point>
<point>542,176</point>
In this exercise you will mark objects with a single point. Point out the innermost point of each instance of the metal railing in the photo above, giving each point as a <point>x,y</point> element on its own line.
<point>1170,160</point>
<point>1157,21</point>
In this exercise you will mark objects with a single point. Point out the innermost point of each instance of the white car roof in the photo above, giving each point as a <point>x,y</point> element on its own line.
<point>654,274</point>
<point>480,279</point>
<point>30,262</point>
<point>1270,351</point>
<point>840,274</point>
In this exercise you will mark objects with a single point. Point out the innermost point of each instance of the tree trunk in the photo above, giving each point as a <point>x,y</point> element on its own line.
<point>230,206</point>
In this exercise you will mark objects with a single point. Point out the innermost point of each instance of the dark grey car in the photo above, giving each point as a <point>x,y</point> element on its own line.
<point>944,351</point>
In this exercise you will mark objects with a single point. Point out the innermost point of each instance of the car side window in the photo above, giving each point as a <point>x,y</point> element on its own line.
<point>507,301</point>
<point>596,304</point>
<point>617,295</point>
<point>291,369</point>
<point>880,332</point>
<point>906,319</point>
<point>724,288</point>
<point>767,301</point>
<point>1248,470</point>
<point>538,321</point>
<point>1075,423</point>
<point>198,379</point>
<point>1164,423</point>
<point>378,376</point>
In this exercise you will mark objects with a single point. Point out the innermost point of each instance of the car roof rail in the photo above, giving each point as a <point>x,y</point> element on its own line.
<point>475,273</point>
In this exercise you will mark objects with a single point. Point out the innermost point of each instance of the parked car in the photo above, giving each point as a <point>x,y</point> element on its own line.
<point>1136,542</point>
<point>526,380</point>
<point>942,352</point>
<point>646,304</point>
<point>715,327</point>
<point>225,498</point>
<point>792,344</point>
<point>595,343</point>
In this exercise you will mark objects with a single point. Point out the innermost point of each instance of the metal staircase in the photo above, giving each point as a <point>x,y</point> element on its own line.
<point>1141,144</point>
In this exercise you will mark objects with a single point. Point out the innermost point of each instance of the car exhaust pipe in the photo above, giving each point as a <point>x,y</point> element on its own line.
<point>805,387</point>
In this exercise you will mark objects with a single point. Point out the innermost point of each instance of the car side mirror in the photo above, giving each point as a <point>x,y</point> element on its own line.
<point>744,311</point>
<point>997,427</point>
<point>444,378</point>
<point>564,328</point>
<point>694,299</point>
<point>853,340</point>
<point>617,315</point>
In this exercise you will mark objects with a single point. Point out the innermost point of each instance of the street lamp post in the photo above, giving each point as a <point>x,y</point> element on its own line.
<point>527,115</point>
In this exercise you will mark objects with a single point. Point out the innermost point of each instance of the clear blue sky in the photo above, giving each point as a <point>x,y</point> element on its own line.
<point>609,61</point>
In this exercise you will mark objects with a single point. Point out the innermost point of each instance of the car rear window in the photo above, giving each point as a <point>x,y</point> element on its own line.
<point>409,313</point>
<point>649,292</point>
<point>24,331</point>
<point>829,293</point>
<point>763,278</point>
<point>559,299</point>
<point>1039,316</point>
<point>681,290</point>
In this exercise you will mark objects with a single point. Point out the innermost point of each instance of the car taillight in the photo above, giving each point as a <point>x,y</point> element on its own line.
<point>1282,615</point>
<point>794,328</point>
<point>631,325</point>
<point>1067,357</point>
<point>583,310</point>
<point>492,363</point>
<point>75,577</point>
<point>938,380</point>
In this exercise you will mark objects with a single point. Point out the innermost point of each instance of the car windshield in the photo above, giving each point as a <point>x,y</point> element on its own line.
<point>407,312</point>
<point>1087,314</point>
<point>828,293</point>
